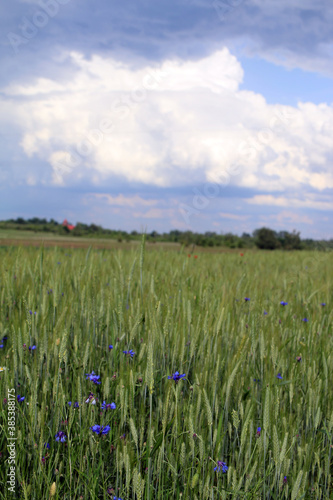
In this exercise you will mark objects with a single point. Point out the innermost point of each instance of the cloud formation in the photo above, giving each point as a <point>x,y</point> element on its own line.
<point>166,124</point>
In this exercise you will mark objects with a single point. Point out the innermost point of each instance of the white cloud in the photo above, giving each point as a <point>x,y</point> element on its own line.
<point>177,124</point>
<point>233,216</point>
<point>308,201</point>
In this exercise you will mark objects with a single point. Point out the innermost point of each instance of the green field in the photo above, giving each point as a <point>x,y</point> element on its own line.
<point>248,364</point>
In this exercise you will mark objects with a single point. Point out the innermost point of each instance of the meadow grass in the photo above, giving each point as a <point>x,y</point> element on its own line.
<point>176,313</point>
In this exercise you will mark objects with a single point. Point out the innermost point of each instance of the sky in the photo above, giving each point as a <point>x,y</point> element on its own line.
<point>192,115</point>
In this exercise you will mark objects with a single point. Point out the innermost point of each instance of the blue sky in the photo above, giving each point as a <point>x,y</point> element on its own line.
<point>190,114</point>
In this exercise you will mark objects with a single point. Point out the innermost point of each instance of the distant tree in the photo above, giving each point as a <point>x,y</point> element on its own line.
<point>266,239</point>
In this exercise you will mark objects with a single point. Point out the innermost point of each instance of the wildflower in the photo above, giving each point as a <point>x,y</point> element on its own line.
<point>323,304</point>
<point>285,480</point>
<point>91,399</point>
<point>195,256</point>
<point>20,398</point>
<point>108,406</point>
<point>130,352</point>
<point>30,312</point>
<point>76,404</point>
<point>61,436</point>
<point>247,299</point>
<point>46,445</point>
<point>2,368</point>
<point>93,377</point>
<point>176,377</point>
<point>69,403</point>
<point>299,358</point>
<point>283,303</point>
<point>221,466</point>
<point>100,430</point>
<point>4,338</point>
<point>305,320</point>
<point>110,347</point>
<point>241,254</point>
<point>32,347</point>
<point>1,346</point>
<point>258,431</point>
<point>44,460</point>
<point>188,255</point>
<point>265,313</point>
<point>279,376</point>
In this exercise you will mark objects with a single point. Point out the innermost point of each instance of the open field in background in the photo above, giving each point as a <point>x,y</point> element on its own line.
<point>13,238</point>
<point>176,314</point>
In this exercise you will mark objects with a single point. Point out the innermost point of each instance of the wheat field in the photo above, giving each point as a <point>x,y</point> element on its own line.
<point>165,375</point>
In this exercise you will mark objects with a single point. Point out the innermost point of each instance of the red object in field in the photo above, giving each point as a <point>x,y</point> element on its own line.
<point>195,256</point>
<point>69,226</point>
<point>241,254</point>
<point>188,255</point>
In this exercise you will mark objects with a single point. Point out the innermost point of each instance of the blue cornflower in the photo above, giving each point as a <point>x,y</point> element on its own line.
<point>32,347</point>
<point>76,404</point>
<point>93,377</point>
<point>69,403</point>
<point>283,303</point>
<point>265,313</point>
<point>61,436</point>
<point>130,352</point>
<point>46,445</point>
<point>176,376</point>
<point>100,430</point>
<point>30,312</point>
<point>305,320</point>
<point>279,376</point>
<point>323,304</point>
<point>1,346</point>
<point>20,398</point>
<point>258,431</point>
<point>221,466</point>
<point>110,347</point>
<point>247,299</point>
<point>4,338</point>
<point>108,406</point>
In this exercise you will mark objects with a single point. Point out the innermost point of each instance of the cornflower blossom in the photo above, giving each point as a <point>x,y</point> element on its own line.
<point>258,431</point>
<point>221,466</point>
<point>47,446</point>
<point>283,303</point>
<point>323,304</point>
<point>305,320</point>
<point>32,347</point>
<point>20,398</point>
<point>176,377</point>
<point>91,399</point>
<point>110,347</point>
<point>247,299</point>
<point>279,376</point>
<point>108,406</point>
<point>93,377</point>
<point>100,429</point>
<point>130,353</point>
<point>60,436</point>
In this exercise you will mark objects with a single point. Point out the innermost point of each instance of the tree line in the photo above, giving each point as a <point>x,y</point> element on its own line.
<point>263,238</point>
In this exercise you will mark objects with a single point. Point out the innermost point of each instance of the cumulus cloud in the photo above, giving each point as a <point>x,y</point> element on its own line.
<point>169,125</point>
